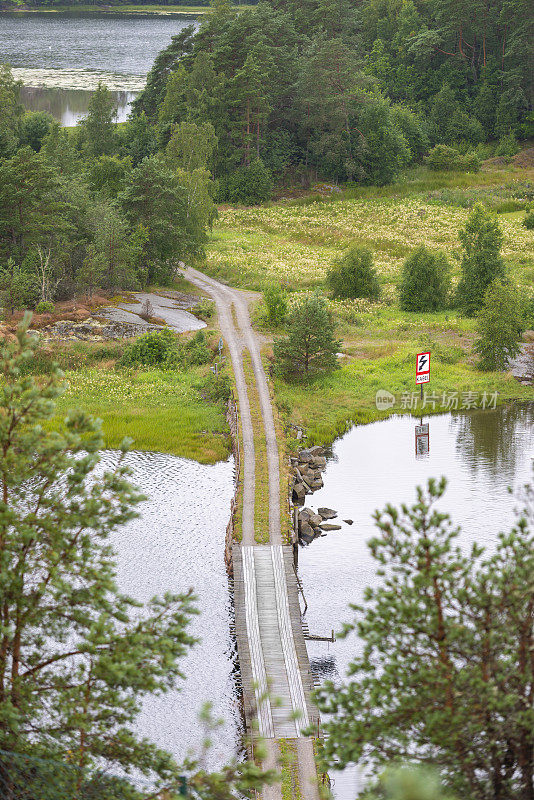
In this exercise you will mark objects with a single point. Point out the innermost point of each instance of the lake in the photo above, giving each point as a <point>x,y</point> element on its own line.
<point>60,57</point>
<point>482,453</point>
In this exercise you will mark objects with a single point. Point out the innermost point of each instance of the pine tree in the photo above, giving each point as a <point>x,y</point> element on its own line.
<point>98,128</point>
<point>310,347</point>
<point>482,262</point>
<point>499,326</point>
<point>445,672</point>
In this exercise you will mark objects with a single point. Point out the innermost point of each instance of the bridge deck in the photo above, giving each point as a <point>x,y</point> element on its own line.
<point>275,669</point>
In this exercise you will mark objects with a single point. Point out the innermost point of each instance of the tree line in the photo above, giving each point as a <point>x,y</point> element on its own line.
<point>347,91</point>
<point>98,205</point>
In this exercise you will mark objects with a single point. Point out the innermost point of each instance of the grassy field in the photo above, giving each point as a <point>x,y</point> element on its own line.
<point>160,411</point>
<point>294,242</point>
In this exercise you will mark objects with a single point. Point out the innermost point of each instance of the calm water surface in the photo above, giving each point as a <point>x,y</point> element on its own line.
<point>178,543</point>
<point>481,453</point>
<point>65,55</point>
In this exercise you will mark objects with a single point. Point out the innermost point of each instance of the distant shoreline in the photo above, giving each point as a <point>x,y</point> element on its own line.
<point>156,10</point>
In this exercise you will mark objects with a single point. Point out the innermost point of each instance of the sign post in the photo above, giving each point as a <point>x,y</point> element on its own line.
<point>422,370</point>
<point>422,440</point>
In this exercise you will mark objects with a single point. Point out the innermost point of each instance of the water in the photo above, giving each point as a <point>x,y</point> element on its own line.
<point>71,52</point>
<point>178,543</point>
<point>481,453</point>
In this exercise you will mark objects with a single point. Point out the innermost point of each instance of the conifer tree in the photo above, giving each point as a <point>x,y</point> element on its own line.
<point>310,347</point>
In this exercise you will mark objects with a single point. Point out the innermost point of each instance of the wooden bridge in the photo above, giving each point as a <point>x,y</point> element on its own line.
<point>275,669</point>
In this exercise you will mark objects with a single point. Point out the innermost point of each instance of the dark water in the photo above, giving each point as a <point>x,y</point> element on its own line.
<point>481,453</point>
<point>69,106</point>
<point>177,543</point>
<point>120,43</point>
<point>61,57</point>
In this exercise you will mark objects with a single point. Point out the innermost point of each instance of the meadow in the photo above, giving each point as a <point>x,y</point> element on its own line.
<point>294,242</point>
<point>160,410</point>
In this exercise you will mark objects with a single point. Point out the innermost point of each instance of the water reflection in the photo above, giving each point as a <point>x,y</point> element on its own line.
<point>178,543</point>
<point>69,106</point>
<point>481,453</point>
<point>493,441</point>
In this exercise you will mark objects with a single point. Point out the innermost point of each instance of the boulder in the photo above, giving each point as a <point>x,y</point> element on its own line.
<point>305,456</point>
<point>319,461</point>
<point>315,520</point>
<point>299,494</point>
<point>316,450</point>
<point>327,526</point>
<point>306,532</point>
<point>348,521</point>
<point>316,484</point>
<point>327,513</point>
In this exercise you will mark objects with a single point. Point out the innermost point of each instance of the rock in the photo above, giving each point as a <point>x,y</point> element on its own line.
<point>299,494</point>
<point>316,450</point>
<point>348,521</point>
<point>307,533</point>
<point>315,520</point>
<point>305,456</point>
<point>327,513</point>
<point>319,461</point>
<point>327,526</point>
<point>316,484</point>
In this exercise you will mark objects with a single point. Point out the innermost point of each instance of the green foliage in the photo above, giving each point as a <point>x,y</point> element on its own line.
<point>19,287</point>
<point>98,129</point>
<point>425,281</point>
<point>275,299</point>
<point>408,783</point>
<point>247,186</point>
<point>413,128</point>
<point>507,147</point>
<point>442,676</point>
<point>499,326</point>
<point>34,126</point>
<point>154,348</point>
<point>197,350</point>
<point>55,519</point>
<point>44,307</point>
<point>354,275</point>
<point>528,220</point>
<point>11,112</point>
<point>482,262</point>
<point>217,388</point>
<point>309,347</point>
<point>381,150</point>
<point>107,175</point>
<point>444,159</point>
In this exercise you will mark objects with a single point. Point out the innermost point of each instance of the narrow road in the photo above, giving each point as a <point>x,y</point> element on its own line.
<point>274,663</point>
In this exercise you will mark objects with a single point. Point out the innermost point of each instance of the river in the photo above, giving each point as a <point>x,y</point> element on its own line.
<point>482,453</point>
<point>60,57</point>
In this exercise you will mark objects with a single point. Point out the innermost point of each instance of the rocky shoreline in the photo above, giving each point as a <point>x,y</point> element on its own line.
<point>306,470</point>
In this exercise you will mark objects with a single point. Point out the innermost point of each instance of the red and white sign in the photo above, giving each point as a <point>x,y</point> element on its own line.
<point>422,368</point>
<point>422,440</point>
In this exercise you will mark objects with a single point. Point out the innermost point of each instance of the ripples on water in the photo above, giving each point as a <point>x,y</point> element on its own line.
<point>481,454</point>
<point>178,543</point>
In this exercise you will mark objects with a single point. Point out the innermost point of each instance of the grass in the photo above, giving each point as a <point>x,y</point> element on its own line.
<point>159,411</point>
<point>290,786</point>
<point>294,242</point>
<point>261,497</point>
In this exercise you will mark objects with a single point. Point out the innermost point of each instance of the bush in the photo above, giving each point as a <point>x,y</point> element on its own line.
<point>425,281</point>
<point>152,349</point>
<point>354,276</point>
<point>507,147</point>
<point>482,262</point>
<point>528,220</point>
<point>275,300</point>
<point>45,307</point>
<point>499,326</point>
<point>248,186</point>
<point>197,351</point>
<point>217,388</point>
<point>446,159</point>
<point>204,310</point>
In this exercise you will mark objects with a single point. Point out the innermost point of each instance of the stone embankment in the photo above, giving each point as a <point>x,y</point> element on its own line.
<point>307,468</point>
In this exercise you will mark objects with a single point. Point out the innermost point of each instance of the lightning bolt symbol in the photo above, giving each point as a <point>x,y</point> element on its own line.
<point>422,362</point>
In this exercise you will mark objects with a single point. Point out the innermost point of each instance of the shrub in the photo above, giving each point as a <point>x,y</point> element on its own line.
<point>152,349</point>
<point>425,281</point>
<point>248,186</point>
<point>44,307</point>
<point>275,300</point>
<point>528,220</point>
<point>197,351</point>
<point>482,262</point>
<point>500,326</point>
<point>446,159</point>
<point>204,310</point>
<point>507,147</point>
<point>354,276</point>
<point>217,388</point>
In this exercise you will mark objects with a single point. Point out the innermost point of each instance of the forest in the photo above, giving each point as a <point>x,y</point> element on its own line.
<point>283,94</point>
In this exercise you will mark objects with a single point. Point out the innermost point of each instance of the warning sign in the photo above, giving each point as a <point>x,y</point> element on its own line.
<point>422,440</point>
<point>422,368</point>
